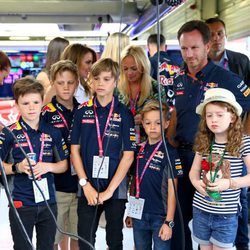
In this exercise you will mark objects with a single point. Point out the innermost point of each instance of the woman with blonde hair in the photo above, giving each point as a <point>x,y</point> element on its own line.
<point>136,86</point>
<point>115,43</point>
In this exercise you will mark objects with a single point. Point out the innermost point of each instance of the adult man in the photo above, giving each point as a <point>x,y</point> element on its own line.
<point>239,64</point>
<point>199,75</point>
<point>230,60</point>
<point>167,67</point>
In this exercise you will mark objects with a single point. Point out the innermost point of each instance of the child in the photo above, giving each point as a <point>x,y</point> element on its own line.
<point>60,112</point>
<point>155,198</point>
<point>103,144</point>
<point>35,136</point>
<point>221,152</point>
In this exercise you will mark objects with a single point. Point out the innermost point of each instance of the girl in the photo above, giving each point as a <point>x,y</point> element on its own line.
<point>221,151</point>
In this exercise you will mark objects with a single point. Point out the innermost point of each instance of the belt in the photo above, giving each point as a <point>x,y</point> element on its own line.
<point>186,145</point>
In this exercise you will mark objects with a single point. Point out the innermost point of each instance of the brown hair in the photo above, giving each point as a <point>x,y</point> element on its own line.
<point>27,85</point>
<point>55,48</point>
<point>152,105</point>
<point>4,61</point>
<point>62,66</point>
<point>75,52</point>
<point>105,64</point>
<point>205,137</point>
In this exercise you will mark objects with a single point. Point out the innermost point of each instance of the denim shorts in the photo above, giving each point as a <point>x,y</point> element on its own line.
<point>217,229</point>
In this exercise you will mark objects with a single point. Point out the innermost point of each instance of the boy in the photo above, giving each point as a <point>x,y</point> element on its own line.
<point>102,148</point>
<point>153,206</point>
<point>59,112</point>
<point>46,142</point>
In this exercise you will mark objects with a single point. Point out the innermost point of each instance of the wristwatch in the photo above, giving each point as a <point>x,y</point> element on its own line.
<point>169,223</point>
<point>83,182</point>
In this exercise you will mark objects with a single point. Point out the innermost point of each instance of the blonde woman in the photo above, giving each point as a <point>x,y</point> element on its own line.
<point>136,86</point>
<point>115,43</point>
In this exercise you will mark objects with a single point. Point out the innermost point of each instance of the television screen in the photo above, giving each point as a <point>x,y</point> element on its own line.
<point>22,64</point>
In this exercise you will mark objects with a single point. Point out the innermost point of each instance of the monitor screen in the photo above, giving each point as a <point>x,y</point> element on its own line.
<point>22,64</point>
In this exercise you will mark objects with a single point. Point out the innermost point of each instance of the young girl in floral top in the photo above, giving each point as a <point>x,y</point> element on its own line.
<point>221,151</point>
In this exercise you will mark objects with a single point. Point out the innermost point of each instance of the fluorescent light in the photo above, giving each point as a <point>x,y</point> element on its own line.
<point>19,38</point>
<point>112,27</point>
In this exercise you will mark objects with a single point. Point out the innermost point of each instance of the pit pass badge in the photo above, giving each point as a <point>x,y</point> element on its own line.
<point>103,163</point>
<point>43,184</point>
<point>135,207</point>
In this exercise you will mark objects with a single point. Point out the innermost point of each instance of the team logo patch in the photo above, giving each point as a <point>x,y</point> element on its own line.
<point>247,92</point>
<point>90,121</point>
<point>180,92</point>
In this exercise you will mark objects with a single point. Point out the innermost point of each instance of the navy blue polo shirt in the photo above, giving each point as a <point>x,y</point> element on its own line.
<point>189,92</point>
<point>64,182</point>
<point>167,71</point>
<point>55,150</point>
<point>154,185</point>
<point>120,138</point>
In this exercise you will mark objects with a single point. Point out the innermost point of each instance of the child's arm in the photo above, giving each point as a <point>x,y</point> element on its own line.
<point>89,192</point>
<point>194,175</point>
<point>165,231</point>
<point>124,165</point>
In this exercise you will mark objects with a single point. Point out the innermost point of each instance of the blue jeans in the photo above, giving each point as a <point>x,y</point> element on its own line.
<point>88,222</point>
<point>146,230</point>
<point>216,229</point>
<point>38,217</point>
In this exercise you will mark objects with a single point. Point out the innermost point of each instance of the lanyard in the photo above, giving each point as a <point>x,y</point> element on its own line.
<point>100,139</point>
<point>212,178</point>
<point>139,179</point>
<point>133,103</point>
<point>31,148</point>
<point>63,119</point>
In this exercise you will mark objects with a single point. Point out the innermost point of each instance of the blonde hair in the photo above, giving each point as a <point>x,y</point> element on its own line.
<point>205,137</point>
<point>115,43</point>
<point>105,64</point>
<point>62,66</point>
<point>154,105</point>
<point>142,61</point>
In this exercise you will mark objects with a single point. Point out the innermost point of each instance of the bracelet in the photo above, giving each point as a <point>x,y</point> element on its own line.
<point>13,168</point>
<point>233,184</point>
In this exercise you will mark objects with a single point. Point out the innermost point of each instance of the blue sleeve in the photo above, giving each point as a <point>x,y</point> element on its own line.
<point>6,143</point>
<point>128,131</point>
<point>175,162</point>
<point>240,90</point>
<point>75,132</point>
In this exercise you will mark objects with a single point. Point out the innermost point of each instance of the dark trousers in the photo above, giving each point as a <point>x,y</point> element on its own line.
<point>38,217</point>
<point>185,195</point>
<point>88,223</point>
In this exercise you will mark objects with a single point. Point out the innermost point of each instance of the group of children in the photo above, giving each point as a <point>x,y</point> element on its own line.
<point>95,143</point>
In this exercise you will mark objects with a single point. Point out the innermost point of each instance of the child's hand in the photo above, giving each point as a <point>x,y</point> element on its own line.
<point>90,194</point>
<point>200,186</point>
<point>103,196</point>
<point>219,185</point>
<point>24,167</point>
<point>129,222</point>
<point>165,232</point>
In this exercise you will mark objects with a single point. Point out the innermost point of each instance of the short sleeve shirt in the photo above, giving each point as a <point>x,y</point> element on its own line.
<point>119,136</point>
<point>54,150</point>
<point>189,93</point>
<point>61,117</point>
<point>154,184</point>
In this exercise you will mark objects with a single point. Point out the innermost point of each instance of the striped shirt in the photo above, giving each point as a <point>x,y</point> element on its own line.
<point>231,197</point>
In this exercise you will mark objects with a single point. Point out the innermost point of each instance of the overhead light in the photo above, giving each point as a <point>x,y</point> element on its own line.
<point>19,38</point>
<point>112,27</point>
